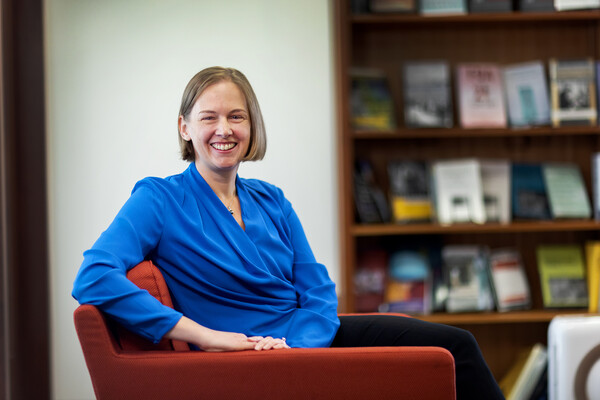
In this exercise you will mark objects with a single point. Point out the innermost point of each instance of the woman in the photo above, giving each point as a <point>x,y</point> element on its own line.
<point>234,254</point>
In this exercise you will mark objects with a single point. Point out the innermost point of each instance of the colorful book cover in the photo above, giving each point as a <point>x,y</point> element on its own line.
<point>410,196</point>
<point>509,281</point>
<point>408,288</point>
<point>372,105</point>
<point>562,276</point>
<point>480,96</point>
<point>566,191</point>
<point>527,94</point>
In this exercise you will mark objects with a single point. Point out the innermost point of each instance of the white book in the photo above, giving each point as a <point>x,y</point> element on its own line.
<point>511,288</point>
<point>496,183</point>
<point>458,191</point>
<point>527,95</point>
<point>531,373</point>
<point>562,5</point>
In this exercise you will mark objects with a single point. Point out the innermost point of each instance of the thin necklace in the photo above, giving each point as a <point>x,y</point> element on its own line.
<point>229,205</point>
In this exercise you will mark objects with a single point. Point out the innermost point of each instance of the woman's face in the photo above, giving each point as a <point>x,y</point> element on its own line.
<point>219,128</point>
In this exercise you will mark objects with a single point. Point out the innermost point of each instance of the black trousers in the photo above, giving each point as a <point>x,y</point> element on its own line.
<point>473,377</point>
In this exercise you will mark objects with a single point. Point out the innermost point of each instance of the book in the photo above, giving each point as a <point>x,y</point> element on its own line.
<point>458,191</point>
<point>528,101</point>
<point>573,92</point>
<point>386,6</point>
<point>566,191</point>
<point>563,5</point>
<point>509,281</point>
<point>495,182</point>
<point>410,197</point>
<point>482,6</point>
<point>592,262</point>
<point>442,7</point>
<point>528,191</point>
<point>480,96</point>
<point>596,185</point>
<point>369,199</point>
<point>468,280</point>
<point>525,373</point>
<point>372,105</point>
<point>408,288</point>
<point>535,5</point>
<point>427,94</point>
<point>562,276</point>
<point>369,279</point>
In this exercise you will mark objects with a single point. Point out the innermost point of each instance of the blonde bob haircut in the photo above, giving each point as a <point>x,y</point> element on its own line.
<point>208,77</point>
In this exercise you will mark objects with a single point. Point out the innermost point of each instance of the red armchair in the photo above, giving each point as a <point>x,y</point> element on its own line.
<point>125,366</point>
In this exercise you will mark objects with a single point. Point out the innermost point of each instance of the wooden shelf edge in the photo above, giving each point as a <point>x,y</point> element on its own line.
<point>516,16</point>
<point>515,227</point>
<point>428,133</point>
<point>512,317</point>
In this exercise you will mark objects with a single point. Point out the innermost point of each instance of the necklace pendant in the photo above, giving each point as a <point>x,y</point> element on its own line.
<point>230,210</point>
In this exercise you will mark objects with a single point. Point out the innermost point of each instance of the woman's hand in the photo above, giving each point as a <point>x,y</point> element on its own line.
<point>210,340</point>
<point>269,343</point>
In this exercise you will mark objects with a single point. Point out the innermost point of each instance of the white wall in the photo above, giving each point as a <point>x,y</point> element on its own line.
<point>115,72</point>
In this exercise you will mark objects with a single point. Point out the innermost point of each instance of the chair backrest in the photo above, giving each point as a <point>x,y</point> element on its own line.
<point>148,277</point>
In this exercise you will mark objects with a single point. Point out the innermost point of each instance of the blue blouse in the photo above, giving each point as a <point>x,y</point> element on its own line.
<point>262,281</point>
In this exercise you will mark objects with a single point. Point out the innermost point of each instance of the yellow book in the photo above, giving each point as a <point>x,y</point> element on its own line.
<point>592,255</point>
<point>508,381</point>
<point>520,381</point>
<point>562,276</point>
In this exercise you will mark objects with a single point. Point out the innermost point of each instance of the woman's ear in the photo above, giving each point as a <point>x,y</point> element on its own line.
<point>183,128</point>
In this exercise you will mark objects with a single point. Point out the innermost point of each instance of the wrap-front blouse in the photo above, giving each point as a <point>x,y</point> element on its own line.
<point>262,281</point>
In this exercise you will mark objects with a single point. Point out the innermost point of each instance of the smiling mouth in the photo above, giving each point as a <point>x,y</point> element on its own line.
<point>223,146</point>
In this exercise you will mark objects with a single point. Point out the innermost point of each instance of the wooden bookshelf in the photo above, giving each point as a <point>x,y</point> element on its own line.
<point>385,42</point>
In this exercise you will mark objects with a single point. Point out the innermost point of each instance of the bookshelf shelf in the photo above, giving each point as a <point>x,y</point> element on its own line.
<point>359,230</point>
<point>512,317</point>
<point>475,133</point>
<point>496,18</point>
<point>386,42</point>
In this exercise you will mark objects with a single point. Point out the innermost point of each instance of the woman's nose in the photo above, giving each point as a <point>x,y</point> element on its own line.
<point>224,129</point>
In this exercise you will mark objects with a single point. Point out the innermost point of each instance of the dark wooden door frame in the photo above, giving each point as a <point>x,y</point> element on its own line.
<point>24,312</point>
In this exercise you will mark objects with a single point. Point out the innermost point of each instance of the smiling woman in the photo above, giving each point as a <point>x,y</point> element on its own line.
<point>234,254</point>
<point>232,250</point>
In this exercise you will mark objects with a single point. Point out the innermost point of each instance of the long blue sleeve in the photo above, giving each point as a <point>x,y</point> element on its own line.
<point>102,280</point>
<point>263,280</point>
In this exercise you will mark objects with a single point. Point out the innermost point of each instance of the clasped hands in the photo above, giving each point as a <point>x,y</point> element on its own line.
<point>230,341</point>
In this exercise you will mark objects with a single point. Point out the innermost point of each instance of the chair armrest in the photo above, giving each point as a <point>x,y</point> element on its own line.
<point>322,373</point>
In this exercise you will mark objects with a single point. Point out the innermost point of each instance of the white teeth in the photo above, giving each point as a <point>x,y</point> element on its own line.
<point>223,146</point>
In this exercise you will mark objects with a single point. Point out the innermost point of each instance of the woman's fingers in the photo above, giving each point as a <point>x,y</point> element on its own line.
<point>269,343</point>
